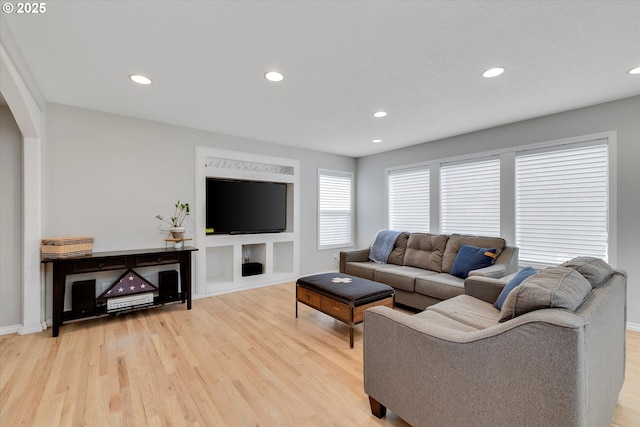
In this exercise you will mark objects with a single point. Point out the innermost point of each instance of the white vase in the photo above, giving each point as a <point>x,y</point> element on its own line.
<point>177,232</point>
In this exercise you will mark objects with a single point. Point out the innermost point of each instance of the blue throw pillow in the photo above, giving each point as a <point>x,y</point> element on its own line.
<point>471,258</point>
<point>513,283</point>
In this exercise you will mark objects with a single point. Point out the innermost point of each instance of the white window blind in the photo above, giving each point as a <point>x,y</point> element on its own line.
<point>562,203</point>
<point>335,213</point>
<point>470,197</point>
<point>408,204</point>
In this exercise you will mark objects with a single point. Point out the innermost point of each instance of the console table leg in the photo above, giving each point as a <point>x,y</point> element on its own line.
<point>59,278</point>
<point>185,278</point>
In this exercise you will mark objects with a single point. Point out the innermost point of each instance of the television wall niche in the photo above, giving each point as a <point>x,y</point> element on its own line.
<point>236,206</point>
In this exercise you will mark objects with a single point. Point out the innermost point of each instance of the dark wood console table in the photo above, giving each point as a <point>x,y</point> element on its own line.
<point>116,260</point>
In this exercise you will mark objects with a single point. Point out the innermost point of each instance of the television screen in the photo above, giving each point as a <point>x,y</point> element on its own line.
<point>236,206</point>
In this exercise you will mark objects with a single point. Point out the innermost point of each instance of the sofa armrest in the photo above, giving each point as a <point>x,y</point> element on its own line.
<point>485,288</point>
<point>357,255</point>
<point>509,258</point>
<point>506,263</point>
<point>496,271</point>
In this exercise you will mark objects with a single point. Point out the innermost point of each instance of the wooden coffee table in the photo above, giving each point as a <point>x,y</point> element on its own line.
<point>342,296</point>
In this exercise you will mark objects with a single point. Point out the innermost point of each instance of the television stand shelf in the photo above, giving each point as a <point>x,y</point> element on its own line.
<point>116,260</point>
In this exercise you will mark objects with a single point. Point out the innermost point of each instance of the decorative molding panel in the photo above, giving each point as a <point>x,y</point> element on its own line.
<point>241,165</point>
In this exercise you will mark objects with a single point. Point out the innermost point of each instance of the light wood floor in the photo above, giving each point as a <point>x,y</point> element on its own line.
<point>241,359</point>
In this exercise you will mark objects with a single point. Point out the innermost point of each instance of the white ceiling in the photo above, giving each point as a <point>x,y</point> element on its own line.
<point>342,60</point>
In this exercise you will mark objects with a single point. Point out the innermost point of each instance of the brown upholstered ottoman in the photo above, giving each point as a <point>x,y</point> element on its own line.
<point>342,296</point>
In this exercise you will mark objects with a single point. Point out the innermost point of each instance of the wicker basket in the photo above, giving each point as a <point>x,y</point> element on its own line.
<point>66,247</point>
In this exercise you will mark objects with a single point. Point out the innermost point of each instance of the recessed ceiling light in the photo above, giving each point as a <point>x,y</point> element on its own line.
<point>273,76</point>
<point>493,72</point>
<point>634,70</point>
<point>379,114</point>
<point>139,78</point>
<point>376,141</point>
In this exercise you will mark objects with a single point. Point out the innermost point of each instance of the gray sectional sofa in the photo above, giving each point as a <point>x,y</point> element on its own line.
<point>553,355</point>
<point>420,264</point>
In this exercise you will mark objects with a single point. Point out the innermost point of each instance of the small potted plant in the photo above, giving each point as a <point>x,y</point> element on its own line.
<point>180,213</point>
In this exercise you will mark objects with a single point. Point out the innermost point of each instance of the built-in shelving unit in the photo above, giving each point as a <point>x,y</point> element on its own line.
<point>220,257</point>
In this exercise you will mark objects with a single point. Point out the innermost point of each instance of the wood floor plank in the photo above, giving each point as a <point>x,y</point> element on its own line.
<point>240,359</point>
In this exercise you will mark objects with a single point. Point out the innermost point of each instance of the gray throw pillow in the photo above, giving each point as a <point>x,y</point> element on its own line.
<point>555,287</point>
<point>595,270</point>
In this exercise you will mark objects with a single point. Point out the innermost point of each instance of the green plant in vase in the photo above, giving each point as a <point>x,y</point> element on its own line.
<point>180,213</point>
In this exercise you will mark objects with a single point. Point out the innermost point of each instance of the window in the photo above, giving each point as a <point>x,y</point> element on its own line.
<point>562,202</point>
<point>335,212</point>
<point>408,203</point>
<point>555,200</point>
<point>470,197</point>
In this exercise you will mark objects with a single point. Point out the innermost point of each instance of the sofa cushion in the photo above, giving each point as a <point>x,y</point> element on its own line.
<point>441,286</point>
<point>442,321</point>
<point>515,281</point>
<point>472,258</point>
<point>554,287</point>
<point>425,251</point>
<point>397,254</point>
<point>399,277</point>
<point>468,310</point>
<point>595,270</point>
<point>455,242</point>
<point>364,269</point>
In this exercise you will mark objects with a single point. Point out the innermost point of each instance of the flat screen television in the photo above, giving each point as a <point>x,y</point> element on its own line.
<point>243,207</point>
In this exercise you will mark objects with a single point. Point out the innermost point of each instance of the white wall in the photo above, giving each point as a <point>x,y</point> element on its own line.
<point>10,221</point>
<point>107,176</point>
<point>622,116</point>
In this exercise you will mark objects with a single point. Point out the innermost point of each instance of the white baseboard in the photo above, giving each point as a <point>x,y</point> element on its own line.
<point>13,329</point>
<point>633,326</point>
<point>19,329</point>
<point>31,329</point>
